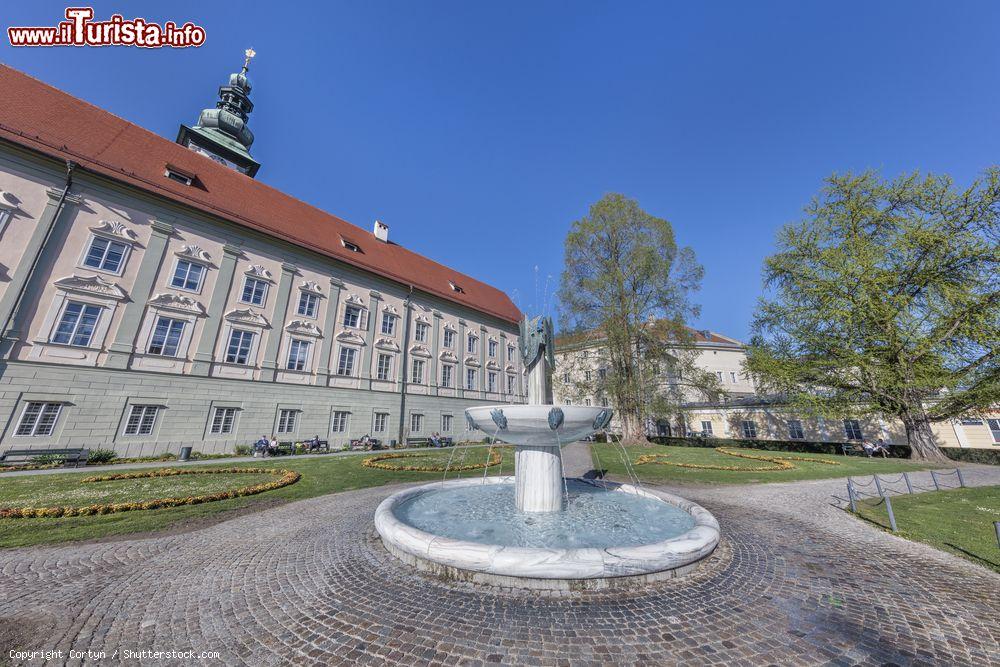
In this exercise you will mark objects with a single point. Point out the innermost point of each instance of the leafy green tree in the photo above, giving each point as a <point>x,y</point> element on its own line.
<point>886,298</point>
<point>626,283</point>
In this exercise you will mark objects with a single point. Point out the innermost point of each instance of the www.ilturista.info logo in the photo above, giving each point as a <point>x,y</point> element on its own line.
<point>80,30</point>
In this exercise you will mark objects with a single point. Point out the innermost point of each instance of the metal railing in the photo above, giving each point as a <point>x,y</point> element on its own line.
<point>882,486</point>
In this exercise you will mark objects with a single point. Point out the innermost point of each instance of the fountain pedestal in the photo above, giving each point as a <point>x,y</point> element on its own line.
<point>538,475</point>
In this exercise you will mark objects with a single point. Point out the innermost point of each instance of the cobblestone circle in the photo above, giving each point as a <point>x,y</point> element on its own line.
<point>795,581</point>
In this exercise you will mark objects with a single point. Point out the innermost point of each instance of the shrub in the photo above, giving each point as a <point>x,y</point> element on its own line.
<point>244,450</point>
<point>47,459</point>
<point>896,451</point>
<point>102,456</point>
<point>986,456</point>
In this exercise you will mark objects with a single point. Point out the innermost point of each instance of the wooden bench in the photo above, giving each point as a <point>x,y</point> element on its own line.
<point>322,446</point>
<point>286,448</point>
<point>847,448</point>
<point>426,442</point>
<point>373,443</point>
<point>75,457</point>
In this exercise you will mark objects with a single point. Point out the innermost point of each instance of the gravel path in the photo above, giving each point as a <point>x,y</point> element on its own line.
<point>795,582</point>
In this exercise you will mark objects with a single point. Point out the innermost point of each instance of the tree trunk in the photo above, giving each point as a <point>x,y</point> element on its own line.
<point>632,430</point>
<point>921,440</point>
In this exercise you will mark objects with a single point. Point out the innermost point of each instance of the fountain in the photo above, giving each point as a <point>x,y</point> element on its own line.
<point>538,529</point>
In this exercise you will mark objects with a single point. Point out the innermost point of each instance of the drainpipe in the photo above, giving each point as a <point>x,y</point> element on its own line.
<point>406,350</point>
<point>70,166</point>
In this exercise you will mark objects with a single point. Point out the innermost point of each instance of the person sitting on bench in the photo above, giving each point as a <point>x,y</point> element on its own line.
<point>313,445</point>
<point>881,448</point>
<point>272,446</point>
<point>435,439</point>
<point>260,447</point>
<point>869,447</point>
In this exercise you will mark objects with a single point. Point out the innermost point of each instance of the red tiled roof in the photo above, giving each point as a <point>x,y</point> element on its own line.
<point>50,121</point>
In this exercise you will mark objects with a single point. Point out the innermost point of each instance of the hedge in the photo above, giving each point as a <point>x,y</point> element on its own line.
<point>896,451</point>
<point>987,456</point>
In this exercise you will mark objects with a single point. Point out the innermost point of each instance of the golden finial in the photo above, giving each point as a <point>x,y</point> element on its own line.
<point>249,53</point>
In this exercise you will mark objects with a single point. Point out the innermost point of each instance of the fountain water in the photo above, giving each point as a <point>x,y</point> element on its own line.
<point>539,529</point>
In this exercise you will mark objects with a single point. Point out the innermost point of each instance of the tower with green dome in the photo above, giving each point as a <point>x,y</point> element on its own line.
<point>222,133</point>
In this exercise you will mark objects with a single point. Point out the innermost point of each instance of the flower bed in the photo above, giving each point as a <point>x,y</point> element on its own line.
<point>285,478</point>
<point>377,462</point>
<point>777,462</point>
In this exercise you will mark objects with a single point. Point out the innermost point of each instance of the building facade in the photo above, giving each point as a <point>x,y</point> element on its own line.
<point>742,413</point>
<point>154,295</point>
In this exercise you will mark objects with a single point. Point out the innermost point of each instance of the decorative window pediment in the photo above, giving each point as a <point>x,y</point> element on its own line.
<point>387,344</point>
<point>355,299</point>
<point>492,365</point>
<point>116,230</point>
<point>390,309</point>
<point>303,328</point>
<point>195,254</point>
<point>422,319</point>
<point>258,271</point>
<point>350,337</point>
<point>510,369</point>
<point>95,285</point>
<point>448,326</point>
<point>472,361</point>
<point>448,356</point>
<point>177,302</point>
<point>311,287</point>
<point>420,351</point>
<point>248,317</point>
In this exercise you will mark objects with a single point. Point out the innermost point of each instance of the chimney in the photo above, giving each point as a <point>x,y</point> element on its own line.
<point>381,231</point>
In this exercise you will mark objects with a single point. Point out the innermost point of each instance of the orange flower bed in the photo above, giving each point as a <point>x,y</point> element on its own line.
<point>286,477</point>
<point>777,462</point>
<point>377,462</point>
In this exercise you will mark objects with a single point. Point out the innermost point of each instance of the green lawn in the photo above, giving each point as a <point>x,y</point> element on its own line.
<point>610,457</point>
<point>320,476</point>
<point>957,520</point>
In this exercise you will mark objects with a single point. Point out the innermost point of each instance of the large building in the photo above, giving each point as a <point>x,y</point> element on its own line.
<point>153,295</point>
<point>581,361</point>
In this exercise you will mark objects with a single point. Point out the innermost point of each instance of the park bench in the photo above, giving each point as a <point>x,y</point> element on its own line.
<point>323,446</point>
<point>426,442</point>
<point>75,456</point>
<point>847,448</point>
<point>373,443</point>
<point>286,448</point>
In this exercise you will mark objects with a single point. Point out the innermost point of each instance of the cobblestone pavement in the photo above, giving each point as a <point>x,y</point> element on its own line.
<point>795,581</point>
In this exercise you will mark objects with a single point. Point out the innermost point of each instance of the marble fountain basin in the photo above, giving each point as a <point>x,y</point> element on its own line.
<point>533,424</point>
<point>559,568</point>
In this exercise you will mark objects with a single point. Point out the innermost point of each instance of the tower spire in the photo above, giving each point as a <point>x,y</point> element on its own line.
<point>222,133</point>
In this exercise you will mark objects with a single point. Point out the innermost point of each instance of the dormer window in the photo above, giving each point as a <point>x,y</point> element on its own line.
<point>179,175</point>
<point>353,247</point>
<point>455,288</point>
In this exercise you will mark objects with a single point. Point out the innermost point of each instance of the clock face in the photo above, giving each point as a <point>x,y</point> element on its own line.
<point>213,156</point>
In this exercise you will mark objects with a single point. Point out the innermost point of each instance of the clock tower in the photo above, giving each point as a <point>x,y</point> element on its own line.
<point>221,134</point>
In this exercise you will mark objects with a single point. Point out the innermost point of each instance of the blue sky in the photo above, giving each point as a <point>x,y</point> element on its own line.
<point>480,131</point>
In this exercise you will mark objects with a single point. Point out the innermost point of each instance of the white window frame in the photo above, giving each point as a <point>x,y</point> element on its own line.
<point>388,324</point>
<point>795,427</point>
<point>110,239</point>
<point>415,365</point>
<point>449,338</point>
<point>493,348</point>
<point>138,423</point>
<point>447,422</point>
<point>472,344</point>
<point>420,332</point>
<point>416,422</point>
<point>180,339</point>
<point>223,410</point>
<point>288,421</point>
<point>52,423</point>
<point>471,379</point>
<point>994,426</point>
<point>341,418</point>
<point>257,281</point>
<point>853,425</point>
<point>251,354</point>
<point>352,372</point>
<point>491,381</point>
<point>380,419</point>
<point>749,429</point>
<point>447,375</point>
<point>511,383</point>
<point>190,262</point>
<point>308,298</point>
<point>388,367</point>
<point>306,360</point>
<point>706,427</point>
<point>348,307</point>
<point>94,331</point>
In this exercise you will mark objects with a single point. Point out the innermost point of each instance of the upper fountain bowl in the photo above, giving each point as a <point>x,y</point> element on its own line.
<point>540,425</point>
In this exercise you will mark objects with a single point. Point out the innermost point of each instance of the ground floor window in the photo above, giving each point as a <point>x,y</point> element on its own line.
<point>706,428</point>
<point>749,429</point>
<point>286,420</point>
<point>381,422</point>
<point>852,429</point>
<point>223,420</point>
<point>141,419</point>
<point>38,419</point>
<point>446,423</point>
<point>994,429</point>
<point>339,422</point>
<point>416,423</point>
<point>795,430</point>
